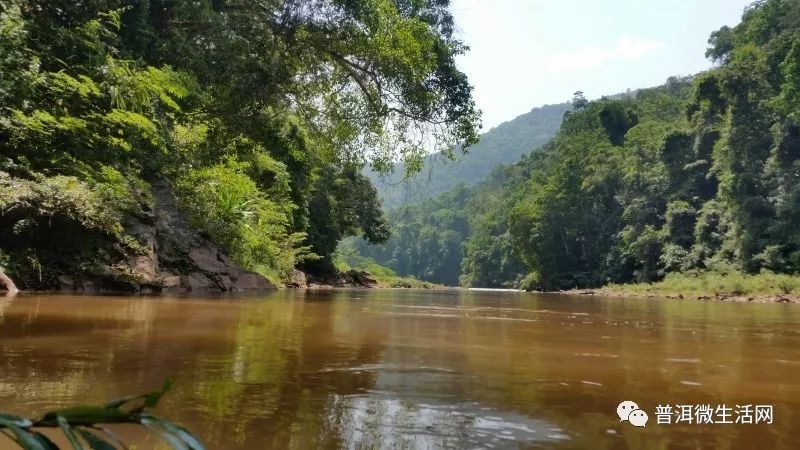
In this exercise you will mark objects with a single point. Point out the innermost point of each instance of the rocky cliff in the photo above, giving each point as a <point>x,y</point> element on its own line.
<point>163,254</point>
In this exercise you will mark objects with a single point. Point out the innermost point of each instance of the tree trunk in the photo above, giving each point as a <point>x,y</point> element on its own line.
<point>7,283</point>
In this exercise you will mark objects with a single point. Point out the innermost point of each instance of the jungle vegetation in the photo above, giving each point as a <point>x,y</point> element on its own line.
<point>699,175</point>
<point>258,114</point>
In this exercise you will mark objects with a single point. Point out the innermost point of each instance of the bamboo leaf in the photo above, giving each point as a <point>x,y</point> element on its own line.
<point>45,441</point>
<point>117,402</point>
<point>152,398</point>
<point>69,433</point>
<point>113,436</point>
<point>175,441</point>
<point>88,415</point>
<point>8,419</point>
<point>94,441</point>
<point>182,433</point>
<point>26,439</point>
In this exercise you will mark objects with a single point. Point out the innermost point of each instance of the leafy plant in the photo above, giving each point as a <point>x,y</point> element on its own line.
<point>85,426</point>
<point>224,202</point>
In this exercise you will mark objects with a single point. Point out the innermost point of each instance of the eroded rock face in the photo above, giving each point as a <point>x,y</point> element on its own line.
<point>350,278</point>
<point>173,258</point>
<point>215,271</point>
<point>191,263</point>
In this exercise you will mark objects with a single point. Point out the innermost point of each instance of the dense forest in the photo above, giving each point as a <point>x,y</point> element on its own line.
<point>148,140</point>
<point>700,174</point>
<point>133,131</point>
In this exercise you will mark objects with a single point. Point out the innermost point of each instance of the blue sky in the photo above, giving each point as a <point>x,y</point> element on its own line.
<point>526,53</point>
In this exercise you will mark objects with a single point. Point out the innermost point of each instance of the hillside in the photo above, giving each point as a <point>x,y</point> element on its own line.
<point>463,236</point>
<point>691,183</point>
<point>503,144</point>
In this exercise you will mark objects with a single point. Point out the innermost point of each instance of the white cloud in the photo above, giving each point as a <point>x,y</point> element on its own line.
<point>628,47</point>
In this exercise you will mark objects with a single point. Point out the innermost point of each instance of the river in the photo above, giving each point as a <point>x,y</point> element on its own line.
<point>412,369</point>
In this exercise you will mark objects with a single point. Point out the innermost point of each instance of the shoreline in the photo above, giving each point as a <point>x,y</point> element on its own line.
<point>655,295</point>
<point>609,292</point>
<point>217,294</point>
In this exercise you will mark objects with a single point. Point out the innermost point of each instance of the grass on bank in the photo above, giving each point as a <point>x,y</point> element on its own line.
<point>383,275</point>
<point>720,282</point>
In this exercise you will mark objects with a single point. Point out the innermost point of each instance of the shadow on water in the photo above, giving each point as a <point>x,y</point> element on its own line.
<point>410,369</point>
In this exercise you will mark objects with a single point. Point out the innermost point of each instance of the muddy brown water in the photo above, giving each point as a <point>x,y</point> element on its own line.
<point>411,369</point>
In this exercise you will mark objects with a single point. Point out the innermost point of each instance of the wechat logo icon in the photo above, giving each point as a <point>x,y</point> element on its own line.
<point>629,411</point>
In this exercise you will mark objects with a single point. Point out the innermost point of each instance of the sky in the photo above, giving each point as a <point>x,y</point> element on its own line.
<point>527,53</point>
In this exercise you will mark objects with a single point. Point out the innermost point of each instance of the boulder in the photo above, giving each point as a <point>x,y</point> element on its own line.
<point>250,281</point>
<point>209,260</point>
<point>298,280</point>
<point>197,281</point>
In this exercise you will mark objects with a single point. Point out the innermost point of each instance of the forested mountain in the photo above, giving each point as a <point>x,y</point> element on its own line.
<point>696,175</point>
<point>503,144</point>
<point>144,142</point>
<point>463,237</point>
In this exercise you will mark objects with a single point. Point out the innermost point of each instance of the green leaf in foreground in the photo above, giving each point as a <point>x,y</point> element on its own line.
<point>117,402</point>
<point>45,441</point>
<point>26,439</point>
<point>82,426</point>
<point>111,435</point>
<point>176,442</point>
<point>152,399</point>
<point>87,415</point>
<point>69,433</point>
<point>8,419</point>
<point>94,441</point>
<point>181,432</point>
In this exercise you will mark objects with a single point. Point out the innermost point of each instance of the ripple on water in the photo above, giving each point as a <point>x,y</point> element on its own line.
<point>386,367</point>
<point>684,360</point>
<point>389,422</point>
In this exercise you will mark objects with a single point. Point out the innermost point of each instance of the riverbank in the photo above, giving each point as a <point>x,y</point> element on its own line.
<point>345,279</point>
<point>728,286</point>
<point>362,279</point>
<point>380,276</point>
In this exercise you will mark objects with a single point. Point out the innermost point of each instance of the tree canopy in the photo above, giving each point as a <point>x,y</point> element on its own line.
<point>248,110</point>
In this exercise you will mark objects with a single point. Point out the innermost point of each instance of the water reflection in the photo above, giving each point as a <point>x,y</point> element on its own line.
<point>384,421</point>
<point>410,369</point>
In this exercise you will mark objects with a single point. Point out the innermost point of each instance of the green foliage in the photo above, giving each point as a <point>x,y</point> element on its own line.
<point>460,237</point>
<point>635,190</point>
<point>84,426</point>
<point>426,239</point>
<point>225,203</point>
<point>346,258</point>
<point>531,282</point>
<point>259,117</point>
<point>576,183</point>
<point>65,196</point>
<point>725,281</point>
<point>345,204</point>
<point>696,175</point>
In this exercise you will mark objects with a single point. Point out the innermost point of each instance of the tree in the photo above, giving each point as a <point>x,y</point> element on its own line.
<point>270,99</point>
